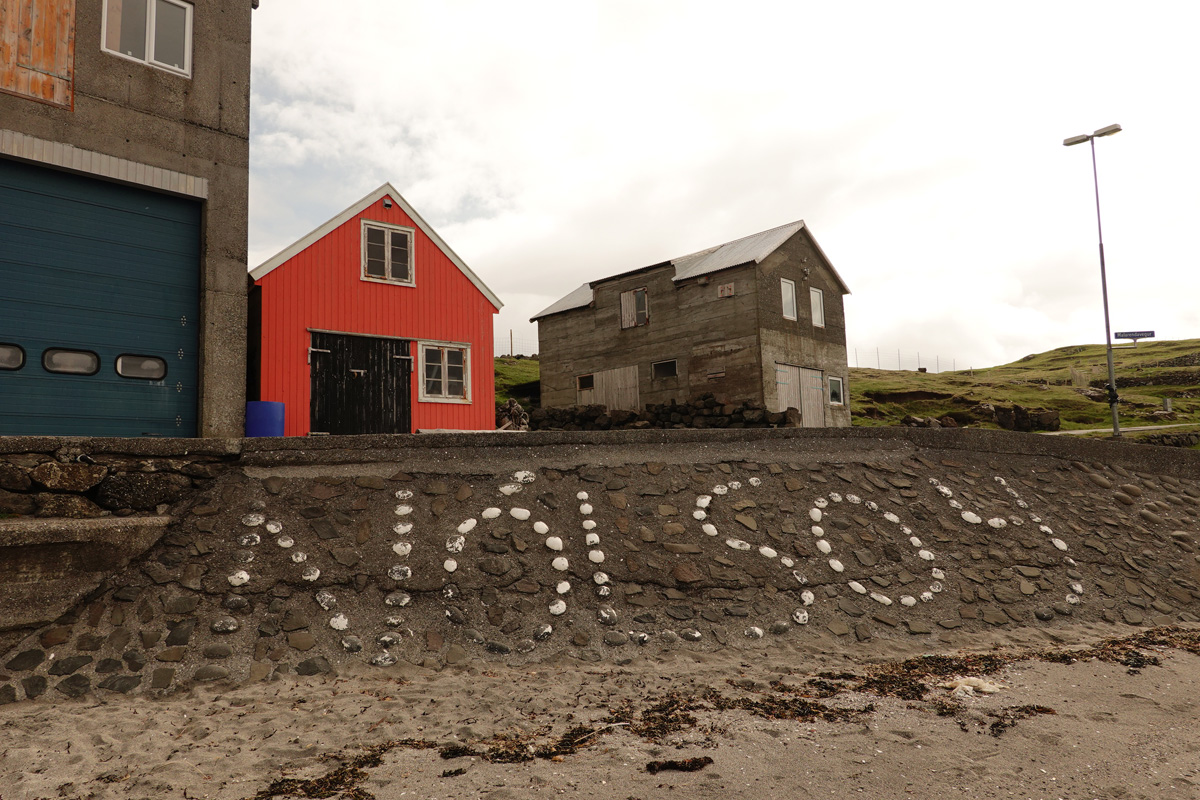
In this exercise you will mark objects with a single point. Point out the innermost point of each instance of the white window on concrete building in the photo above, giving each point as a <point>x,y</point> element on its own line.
<point>789,298</point>
<point>836,392</point>
<point>818,307</point>
<point>155,32</point>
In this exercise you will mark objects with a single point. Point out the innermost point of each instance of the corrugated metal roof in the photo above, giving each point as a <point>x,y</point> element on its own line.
<point>740,251</point>
<point>576,299</point>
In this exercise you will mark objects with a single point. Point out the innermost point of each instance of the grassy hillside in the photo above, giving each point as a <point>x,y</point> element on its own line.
<point>1145,374</point>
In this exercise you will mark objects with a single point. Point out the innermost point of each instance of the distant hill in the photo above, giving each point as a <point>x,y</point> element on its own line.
<point>1064,379</point>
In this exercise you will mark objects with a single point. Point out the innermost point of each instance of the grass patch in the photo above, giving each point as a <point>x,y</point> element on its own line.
<point>518,378</point>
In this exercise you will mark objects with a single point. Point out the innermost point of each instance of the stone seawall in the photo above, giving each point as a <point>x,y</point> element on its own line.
<point>300,556</point>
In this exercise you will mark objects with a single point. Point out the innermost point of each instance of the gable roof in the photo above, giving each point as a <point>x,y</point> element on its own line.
<point>753,248</point>
<point>386,190</point>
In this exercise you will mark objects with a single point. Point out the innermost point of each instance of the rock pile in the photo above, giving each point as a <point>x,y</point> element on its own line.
<point>702,412</point>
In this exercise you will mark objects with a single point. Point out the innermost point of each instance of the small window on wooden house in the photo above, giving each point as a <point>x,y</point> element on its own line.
<point>444,369</point>
<point>11,356</point>
<point>635,308</point>
<point>156,32</point>
<point>789,298</point>
<point>660,370</point>
<point>818,307</point>
<point>71,362</point>
<point>387,253</point>
<point>836,392</point>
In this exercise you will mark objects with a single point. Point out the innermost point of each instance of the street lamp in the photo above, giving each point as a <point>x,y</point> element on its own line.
<point>1112,378</point>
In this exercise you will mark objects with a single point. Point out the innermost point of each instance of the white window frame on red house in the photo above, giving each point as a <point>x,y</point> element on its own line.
<point>148,46</point>
<point>444,379</point>
<point>390,231</point>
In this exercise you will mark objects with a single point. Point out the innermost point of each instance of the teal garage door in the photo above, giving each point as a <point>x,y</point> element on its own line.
<point>99,307</point>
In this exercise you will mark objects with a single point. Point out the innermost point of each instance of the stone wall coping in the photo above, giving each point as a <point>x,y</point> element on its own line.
<point>22,532</point>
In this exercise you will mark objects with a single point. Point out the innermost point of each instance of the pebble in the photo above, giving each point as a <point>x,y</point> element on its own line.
<point>835,565</point>
<point>544,632</point>
<point>285,542</point>
<point>817,530</point>
<point>560,564</point>
<point>814,514</point>
<point>404,494</point>
<point>468,525</point>
<point>299,557</point>
<point>274,526</point>
<point>589,524</point>
<point>690,634</point>
<point>925,554</point>
<point>914,541</point>
<point>310,574</point>
<point>520,513</point>
<point>1059,544</point>
<point>720,489</point>
<point>881,598</point>
<point>807,597</point>
<point>325,599</point>
<point>402,528</point>
<point>239,578</point>
<point>592,539</point>
<point>857,587</point>
<point>399,572</point>
<point>972,517</point>
<point>824,546</point>
<point>403,510</point>
<point>402,548</point>
<point>249,540</point>
<point>339,622</point>
<point>563,587</point>
<point>541,528</point>
<point>737,544</point>
<point>596,556</point>
<point>998,522</point>
<point>709,529</point>
<point>455,544</point>
<point>490,513</point>
<point>754,632</point>
<point>398,599</point>
<point>585,508</point>
<point>253,520</point>
<point>767,552</point>
<point>450,565</point>
<point>600,578</point>
<point>581,496</point>
<point>699,515</point>
<point>510,489</point>
<point>908,600</point>
<point>703,500</point>
<point>800,616</point>
<point>523,476</point>
<point>554,543</point>
<point>890,517</point>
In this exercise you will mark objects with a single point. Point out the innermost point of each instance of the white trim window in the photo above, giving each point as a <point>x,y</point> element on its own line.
<point>789,298</point>
<point>837,392</point>
<point>635,308</point>
<point>154,32</point>
<point>817,297</point>
<point>445,372</point>
<point>387,253</point>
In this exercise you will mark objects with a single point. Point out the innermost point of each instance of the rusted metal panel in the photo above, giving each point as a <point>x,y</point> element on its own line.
<point>37,49</point>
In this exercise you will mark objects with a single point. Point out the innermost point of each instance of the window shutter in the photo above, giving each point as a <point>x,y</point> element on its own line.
<point>628,310</point>
<point>37,49</point>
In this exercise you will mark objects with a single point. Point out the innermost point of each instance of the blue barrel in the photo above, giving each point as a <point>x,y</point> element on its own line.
<point>264,418</point>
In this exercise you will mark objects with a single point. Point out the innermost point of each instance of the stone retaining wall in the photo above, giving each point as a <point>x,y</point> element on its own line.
<point>702,412</point>
<point>301,556</point>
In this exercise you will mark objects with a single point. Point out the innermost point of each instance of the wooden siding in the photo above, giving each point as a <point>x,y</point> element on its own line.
<point>37,49</point>
<point>321,288</point>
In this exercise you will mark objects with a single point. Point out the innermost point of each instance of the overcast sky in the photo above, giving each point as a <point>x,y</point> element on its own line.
<point>552,143</point>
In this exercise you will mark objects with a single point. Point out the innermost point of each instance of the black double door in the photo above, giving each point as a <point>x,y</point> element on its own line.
<point>360,384</point>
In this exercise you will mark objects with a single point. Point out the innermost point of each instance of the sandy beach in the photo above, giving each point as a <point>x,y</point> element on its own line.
<point>1090,729</point>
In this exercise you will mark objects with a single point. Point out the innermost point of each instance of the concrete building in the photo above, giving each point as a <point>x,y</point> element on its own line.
<point>756,319</point>
<point>124,150</point>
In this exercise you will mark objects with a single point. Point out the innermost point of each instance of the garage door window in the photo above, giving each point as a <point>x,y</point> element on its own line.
<point>11,356</point>
<point>157,32</point>
<point>143,367</point>
<point>71,362</point>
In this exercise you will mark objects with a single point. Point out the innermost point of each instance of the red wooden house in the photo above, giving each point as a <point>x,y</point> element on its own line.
<point>372,324</point>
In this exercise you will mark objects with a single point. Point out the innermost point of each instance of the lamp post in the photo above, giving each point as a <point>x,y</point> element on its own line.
<point>1112,378</point>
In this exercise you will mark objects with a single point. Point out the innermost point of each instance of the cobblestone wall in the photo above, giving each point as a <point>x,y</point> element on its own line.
<point>301,557</point>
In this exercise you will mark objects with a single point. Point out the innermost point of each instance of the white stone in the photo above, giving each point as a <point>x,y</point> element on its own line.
<point>1073,599</point>
<point>735,485</point>
<point>404,494</point>
<point>853,498</point>
<point>824,546</point>
<point>325,599</point>
<point>540,527</point>
<point>285,542</point>
<point>455,544</point>
<point>607,615</point>
<point>937,574</point>
<point>310,573</point>
<point>402,548</point>
<point>591,539</point>
<point>394,621</point>
<point>857,587</point>
<point>835,497</point>
<point>957,506</point>
<point>253,520</point>
<point>815,514</point>
<point>945,491</point>
<point>890,517</point>
<point>787,562</point>
<point>468,525</point>
<point>800,616</point>
<point>402,527</point>
<point>907,531</point>
<point>1022,503</point>
<point>914,541</point>
<point>403,510</point>
<point>720,488</point>
<point>935,587</point>
<point>400,573</point>
<point>519,513</point>
<point>908,600</point>
<point>490,513</point>
<point>703,500</point>
<point>835,565</point>
<point>596,556</point>
<point>1046,529</point>
<point>1077,588</point>
<point>925,554</point>
<point>799,576</point>
<point>754,632</point>
<point>585,508</point>
<point>882,599</point>
<point>509,489</point>
<point>274,526</point>
<point>239,578</point>
<point>398,599</point>
<point>709,529</point>
<point>699,514</point>
<point>600,578</point>
<point>604,591</point>
<point>1035,519</point>
<point>299,557</point>
<point>558,608</point>
<point>560,564</point>
<point>998,522</point>
<point>524,476</point>
<point>589,524</point>
<point>926,597</point>
<point>450,565</point>
<point>563,587</point>
<point>767,552</point>
<point>339,622</point>
<point>872,505</point>
<point>807,597</point>
<point>817,530</point>
<point>554,543</point>
<point>737,544</point>
<point>581,496</point>
<point>755,482</point>
<point>1059,543</point>
<point>971,517</point>
<point>821,502</point>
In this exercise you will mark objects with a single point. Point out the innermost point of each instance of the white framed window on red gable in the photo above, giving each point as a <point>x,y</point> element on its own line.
<point>445,371</point>
<point>154,32</point>
<point>387,253</point>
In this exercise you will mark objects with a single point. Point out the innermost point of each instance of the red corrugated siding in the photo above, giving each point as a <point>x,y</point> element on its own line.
<point>321,288</point>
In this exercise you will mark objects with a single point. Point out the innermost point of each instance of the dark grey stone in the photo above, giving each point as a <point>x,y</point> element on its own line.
<point>498,647</point>
<point>107,665</point>
<point>180,633</point>
<point>615,638</point>
<point>68,665</point>
<point>134,660</point>
<point>34,686</point>
<point>26,660</point>
<point>124,684</point>
<point>74,686</point>
<point>217,650</point>
<point>8,694</point>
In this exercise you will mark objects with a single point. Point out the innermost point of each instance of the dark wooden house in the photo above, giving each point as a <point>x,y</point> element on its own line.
<point>372,324</point>
<point>759,318</point>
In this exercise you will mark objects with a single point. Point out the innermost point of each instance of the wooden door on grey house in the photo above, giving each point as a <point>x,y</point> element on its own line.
<point>612,388</point>
<point>360,384</point>
<point>802,389</point>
